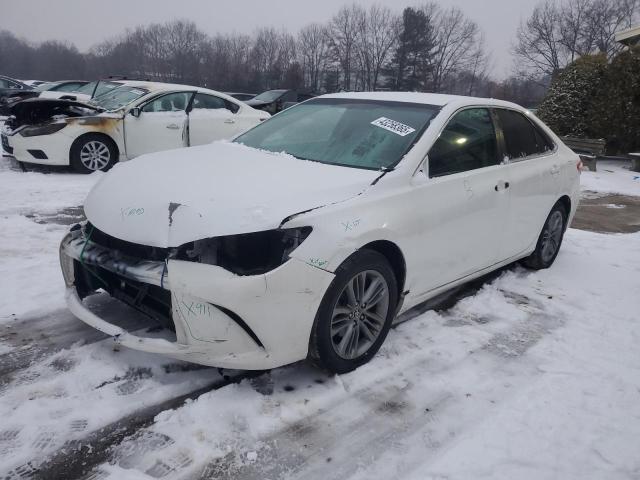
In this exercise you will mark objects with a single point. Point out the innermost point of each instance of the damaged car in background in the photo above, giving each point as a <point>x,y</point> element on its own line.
<point>122,123</point>
<point>306,236</point>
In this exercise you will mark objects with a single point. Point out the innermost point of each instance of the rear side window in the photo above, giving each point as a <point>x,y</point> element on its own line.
<point>522,138</point>
<point>210,102</point>
<point>468,142</point>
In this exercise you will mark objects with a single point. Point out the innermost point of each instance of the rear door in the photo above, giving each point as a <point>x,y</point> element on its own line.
<point>213,118</point>
<point>464,204</point>
<point>162,125</point>
<point>534,178</point>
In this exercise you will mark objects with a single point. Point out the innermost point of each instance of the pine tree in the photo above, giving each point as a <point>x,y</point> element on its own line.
<point>411,63</point>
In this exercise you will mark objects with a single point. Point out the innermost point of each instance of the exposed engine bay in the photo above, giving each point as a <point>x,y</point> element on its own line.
<point>35,111</point>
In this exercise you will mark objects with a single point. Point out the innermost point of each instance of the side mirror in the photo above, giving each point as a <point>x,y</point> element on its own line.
<point>135,111</point>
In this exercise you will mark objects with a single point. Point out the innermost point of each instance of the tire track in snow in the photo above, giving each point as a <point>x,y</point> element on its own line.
<point>76,458</point>
<point>423,398</point>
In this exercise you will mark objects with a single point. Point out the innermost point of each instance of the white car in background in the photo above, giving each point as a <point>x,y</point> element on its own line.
<point>306,236</point>
<point>123,123</point>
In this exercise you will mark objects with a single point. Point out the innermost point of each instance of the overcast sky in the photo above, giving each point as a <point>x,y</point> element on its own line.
<point>86,23</point>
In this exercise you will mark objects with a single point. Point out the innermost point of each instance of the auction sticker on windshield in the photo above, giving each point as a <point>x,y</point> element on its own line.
<point>393,126</point>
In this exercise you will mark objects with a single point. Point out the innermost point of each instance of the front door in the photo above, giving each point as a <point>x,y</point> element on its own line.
<point>464,204</point>
<point>162,125</point>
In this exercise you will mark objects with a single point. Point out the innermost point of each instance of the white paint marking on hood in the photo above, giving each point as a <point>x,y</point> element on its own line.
<point>169,198</point>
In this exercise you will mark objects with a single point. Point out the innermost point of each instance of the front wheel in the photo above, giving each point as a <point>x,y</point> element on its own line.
<point>355,314</point>
<point>93,152</point>
<point>549,241</point>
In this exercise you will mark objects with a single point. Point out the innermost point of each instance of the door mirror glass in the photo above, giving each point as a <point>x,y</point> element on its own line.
<point>135,111</point>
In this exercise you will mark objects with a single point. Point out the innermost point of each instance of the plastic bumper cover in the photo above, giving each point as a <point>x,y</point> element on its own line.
<point>209,306</point>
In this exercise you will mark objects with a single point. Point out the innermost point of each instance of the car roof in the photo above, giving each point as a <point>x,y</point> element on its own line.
<point>158,87</point>
<point>437,99</point>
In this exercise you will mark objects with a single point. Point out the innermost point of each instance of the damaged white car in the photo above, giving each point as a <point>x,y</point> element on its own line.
<point>306,236</point>
<point>123,123</point>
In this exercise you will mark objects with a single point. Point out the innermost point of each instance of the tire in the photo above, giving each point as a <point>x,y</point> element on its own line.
<point>550,239</point>
<point>92,152</point>
<point>347,332</point>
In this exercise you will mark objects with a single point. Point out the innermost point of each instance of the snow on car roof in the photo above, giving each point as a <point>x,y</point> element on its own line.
<point>419,97</point>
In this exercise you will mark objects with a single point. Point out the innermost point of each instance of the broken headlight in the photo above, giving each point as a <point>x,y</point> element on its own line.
<point>47,129</point>
<point>247,253</point>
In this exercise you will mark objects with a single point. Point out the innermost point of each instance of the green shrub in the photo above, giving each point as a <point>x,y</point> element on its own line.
<point>569,101</point>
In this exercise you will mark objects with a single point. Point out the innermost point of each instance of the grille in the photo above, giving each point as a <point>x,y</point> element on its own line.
<point>129,249</point>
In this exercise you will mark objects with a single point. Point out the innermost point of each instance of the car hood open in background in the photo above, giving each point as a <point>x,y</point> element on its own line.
<point>169,198</point>
<point>39,110</point>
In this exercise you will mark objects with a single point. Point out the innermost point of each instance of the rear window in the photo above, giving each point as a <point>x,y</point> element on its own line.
<point>522,138</point>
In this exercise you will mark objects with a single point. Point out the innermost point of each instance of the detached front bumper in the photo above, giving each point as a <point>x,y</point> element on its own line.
<point>221,319</point>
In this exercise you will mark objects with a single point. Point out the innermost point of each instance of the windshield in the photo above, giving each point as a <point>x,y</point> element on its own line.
<point>103,87</point>
<point>367,134</point>
<point>269,96</point>
<point>119,97</point>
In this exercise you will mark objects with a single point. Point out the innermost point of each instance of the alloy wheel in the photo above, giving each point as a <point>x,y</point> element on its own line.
<point>552,236</point>
<point>95,155</point>
<point>360,314</point>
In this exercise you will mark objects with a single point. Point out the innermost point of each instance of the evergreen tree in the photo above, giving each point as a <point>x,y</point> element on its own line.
<point>411,63</point>
<point>566,107</point>
<point>615,113</point>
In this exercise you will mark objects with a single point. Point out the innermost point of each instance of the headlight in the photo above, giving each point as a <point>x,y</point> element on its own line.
<point>47,129</point>
<point>248,253</point>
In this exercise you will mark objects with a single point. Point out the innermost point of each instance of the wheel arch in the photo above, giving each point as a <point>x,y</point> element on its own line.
<point>100,134</point>
<point>565,201</point>
<point>394,256</point>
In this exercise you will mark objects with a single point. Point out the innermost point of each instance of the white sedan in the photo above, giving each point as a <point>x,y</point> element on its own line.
<point>306,236</point>
<point>123,123</point>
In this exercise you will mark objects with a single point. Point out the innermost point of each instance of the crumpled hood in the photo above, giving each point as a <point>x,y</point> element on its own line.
<point>169,198</point>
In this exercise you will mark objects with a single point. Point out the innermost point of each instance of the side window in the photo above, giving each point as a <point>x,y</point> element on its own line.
<point>204,101</point>
<point>4,83</point>
<point>467,142</point>
<point>521,137</point>
<point>173,102</point>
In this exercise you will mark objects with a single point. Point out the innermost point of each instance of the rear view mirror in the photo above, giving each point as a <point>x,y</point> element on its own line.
<point>135,111</point>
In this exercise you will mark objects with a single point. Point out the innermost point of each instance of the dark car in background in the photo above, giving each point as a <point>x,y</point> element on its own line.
<point>11,91</point>
<point>274,101</point>
<point>243,97</point>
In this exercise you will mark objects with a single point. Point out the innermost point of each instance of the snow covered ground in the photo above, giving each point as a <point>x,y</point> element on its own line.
<point>534,376</point>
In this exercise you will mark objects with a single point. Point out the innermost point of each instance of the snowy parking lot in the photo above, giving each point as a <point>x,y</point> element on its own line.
<point>527,375</point>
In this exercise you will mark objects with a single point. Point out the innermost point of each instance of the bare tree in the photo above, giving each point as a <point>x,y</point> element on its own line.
<point>538,40</point>
<point>313,47</point>
<point>459,45</point>
<point>344,28</point>
<point>557,34</point>
<point>377,35</point>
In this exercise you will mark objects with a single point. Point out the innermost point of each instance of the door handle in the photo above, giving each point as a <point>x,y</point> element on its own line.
<point>173,126</point>
<point>502,185</point>
<point>555,170</point>
<point>229,120</point>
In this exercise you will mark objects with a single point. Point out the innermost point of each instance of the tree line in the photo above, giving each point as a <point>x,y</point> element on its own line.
<point>422,48</point>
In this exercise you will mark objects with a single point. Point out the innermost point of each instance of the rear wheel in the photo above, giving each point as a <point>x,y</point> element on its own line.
<point>549,240</point>
<point>355,314</point>
<point>93,152</point>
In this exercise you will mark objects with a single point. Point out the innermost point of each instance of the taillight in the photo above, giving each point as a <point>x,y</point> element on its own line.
<point>579,165</point>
